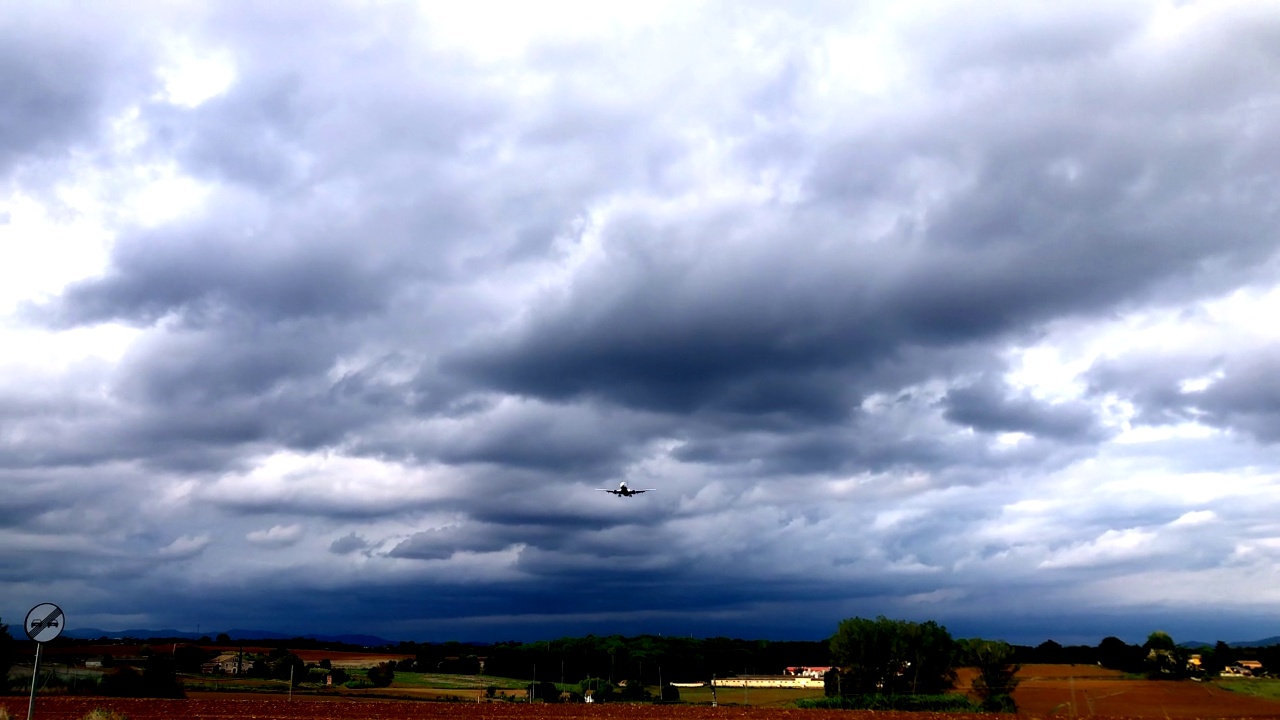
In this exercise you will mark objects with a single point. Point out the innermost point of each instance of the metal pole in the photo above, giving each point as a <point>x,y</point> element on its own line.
<point>35,674</point>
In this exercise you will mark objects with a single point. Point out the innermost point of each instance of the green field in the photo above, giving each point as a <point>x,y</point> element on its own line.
<point>440,681</point>
<point>757,697</point>
<point>1258,687</point>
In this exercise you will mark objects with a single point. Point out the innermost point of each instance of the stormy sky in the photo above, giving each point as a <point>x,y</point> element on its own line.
<point>333,317</point>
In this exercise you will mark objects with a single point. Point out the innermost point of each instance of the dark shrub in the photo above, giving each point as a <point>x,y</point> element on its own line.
<point>382,674</point>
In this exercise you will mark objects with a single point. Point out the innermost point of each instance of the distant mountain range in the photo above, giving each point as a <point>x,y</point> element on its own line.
<point>375,641</point>
<point>140,634</point>
<point>1264,642</point>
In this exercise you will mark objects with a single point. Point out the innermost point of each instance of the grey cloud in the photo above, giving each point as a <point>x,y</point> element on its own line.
<point>492,286</point>
<point>443,543</point>
<point>348,544</point>
<point>663,323</point>
<point>1246,399</point>
<point>276,536</point>
<point>1015,37</point>
<point>1239,389</point>
<point>991,407</point>
<point>62,78</point>
<point>564,438</point>
<point>185,547</point>
<point>203,274</point>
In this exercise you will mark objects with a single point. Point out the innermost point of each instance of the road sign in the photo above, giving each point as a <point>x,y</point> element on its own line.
<point>44,622</point>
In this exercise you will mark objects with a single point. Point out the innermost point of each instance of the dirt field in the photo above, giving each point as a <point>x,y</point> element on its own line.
<point>64,708</point>
<point>234,707</point>
<point>1047,692</point>
<point>1076,691</point>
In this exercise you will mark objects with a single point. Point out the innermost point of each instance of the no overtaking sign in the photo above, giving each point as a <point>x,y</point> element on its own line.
<point>44,622</point>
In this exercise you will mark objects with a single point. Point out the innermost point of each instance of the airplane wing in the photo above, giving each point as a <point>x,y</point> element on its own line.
<point>608,490</point>
<point>637,492</point>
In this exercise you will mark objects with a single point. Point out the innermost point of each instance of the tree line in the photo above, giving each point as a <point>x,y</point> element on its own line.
<point>645,659</point>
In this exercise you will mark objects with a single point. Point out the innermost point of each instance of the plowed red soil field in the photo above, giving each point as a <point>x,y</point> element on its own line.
<point>67,708</point>
<point>1070,691</point>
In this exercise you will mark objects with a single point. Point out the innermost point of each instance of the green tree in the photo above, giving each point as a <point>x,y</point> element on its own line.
<point>600,690</point>
<point>997,674</point>
<point>157,679</point>
<point>544,690</point>
<point>1164,659</point>
<point>893,657</point>
<point>189,658</point>
<point>382,674</point>
<point>258,668</point>
<point>8,651</point>
<point>832,683</point>
<point>288,666</point>
<point>633,690</point>
<point>1221,657</point>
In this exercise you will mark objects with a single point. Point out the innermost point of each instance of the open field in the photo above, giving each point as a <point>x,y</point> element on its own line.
<point>346,708</point>
<point>65,708</point>
<point>753,697</point>
<point>1074,691</point>
<point>1261,687</point>
<point>1047,692</point>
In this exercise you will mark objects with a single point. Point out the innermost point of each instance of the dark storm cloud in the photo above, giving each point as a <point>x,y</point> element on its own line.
<point>1231,389</point>
<point>60,78</point>
<point>993,407</point>
<point>348,544</point>
<point>1247,399</point>
<point>200,278</point>
<point>430,300</point>
<point>1041,211</point>
<point>1013,247</point>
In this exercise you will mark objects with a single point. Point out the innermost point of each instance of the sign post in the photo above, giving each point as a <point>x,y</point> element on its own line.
<point>44,622</point>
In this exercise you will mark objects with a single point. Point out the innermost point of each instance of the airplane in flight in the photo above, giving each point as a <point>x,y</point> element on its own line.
<point>624,491</point>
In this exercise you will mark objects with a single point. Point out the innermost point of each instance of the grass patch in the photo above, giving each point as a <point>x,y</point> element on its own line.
<point>909,703</point>
<point>207,683</point>
<point>1268,688</point>
<point>104,714</point>
<point>755,697</point>
<point>358,679</point>
<point>442,681</point>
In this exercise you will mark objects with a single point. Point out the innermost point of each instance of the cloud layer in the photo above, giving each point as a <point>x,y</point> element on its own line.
<point>334,317</point>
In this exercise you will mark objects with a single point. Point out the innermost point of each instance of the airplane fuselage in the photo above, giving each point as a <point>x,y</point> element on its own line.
<point>624,491</point>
